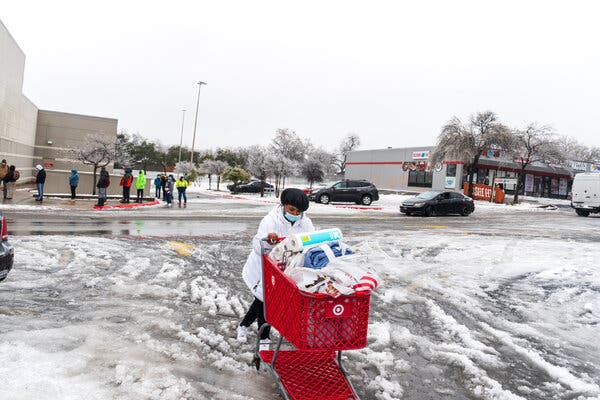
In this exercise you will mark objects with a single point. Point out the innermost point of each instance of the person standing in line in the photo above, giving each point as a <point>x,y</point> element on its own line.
<point>163,183</point>
<point>103,183</point>
<point>181,186</point>
<point>73,183</point>
<point>157,186</point>
<point>169,187</point>
<point>283,220</point>
<point>40,180</point>
<point>9,182</point>
<point>3,171</point>
<point>140,184</point>
<point>126,181</point>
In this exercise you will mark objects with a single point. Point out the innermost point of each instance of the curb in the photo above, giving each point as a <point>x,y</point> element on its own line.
<point>127,206</point>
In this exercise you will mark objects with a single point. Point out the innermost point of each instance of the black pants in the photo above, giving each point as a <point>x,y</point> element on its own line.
<point>126,194</point>
<point>73,191</point>
<point>256,312</point>
<point>140,196</point>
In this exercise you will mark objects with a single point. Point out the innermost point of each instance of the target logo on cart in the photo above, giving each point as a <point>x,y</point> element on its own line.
<point>340,309</point>
<point>273,280</point>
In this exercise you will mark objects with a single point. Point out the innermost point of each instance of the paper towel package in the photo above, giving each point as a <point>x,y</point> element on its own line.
<point>313,238</point>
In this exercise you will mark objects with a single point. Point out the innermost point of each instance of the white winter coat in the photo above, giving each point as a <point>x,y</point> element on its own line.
<point>273,222</point>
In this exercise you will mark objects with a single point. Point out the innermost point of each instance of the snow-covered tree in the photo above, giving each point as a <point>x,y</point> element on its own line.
<point>288,144</point>
<point>466,142</point>
<point>183,168</point>
<point>313,171</point>
<point>259,164</point>
<point>533,144</point>
<point>214,167</point>
<point>281,167</point>
<point>574,151</point>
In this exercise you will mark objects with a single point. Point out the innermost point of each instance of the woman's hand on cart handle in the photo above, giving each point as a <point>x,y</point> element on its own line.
<point>272,238</point>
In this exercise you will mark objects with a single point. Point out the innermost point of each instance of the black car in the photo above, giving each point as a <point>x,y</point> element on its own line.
<point>7,253</point>
<point>250,187</point>
<point>357,191</point>
<point>438,202</point>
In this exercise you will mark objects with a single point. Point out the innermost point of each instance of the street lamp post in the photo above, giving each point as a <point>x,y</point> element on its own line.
<point>181,138</point>
<point>200,83</point>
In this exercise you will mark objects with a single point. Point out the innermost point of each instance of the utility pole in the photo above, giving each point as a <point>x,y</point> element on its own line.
<point>200,83</point>
<point>181,138</point>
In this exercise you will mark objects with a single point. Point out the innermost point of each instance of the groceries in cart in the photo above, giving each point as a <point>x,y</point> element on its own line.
<point>321,262</point>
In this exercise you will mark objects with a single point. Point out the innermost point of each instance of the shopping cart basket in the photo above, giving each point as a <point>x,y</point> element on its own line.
<point>318,326</point>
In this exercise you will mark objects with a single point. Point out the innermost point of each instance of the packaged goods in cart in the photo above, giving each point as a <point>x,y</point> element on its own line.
<point>328,267</point>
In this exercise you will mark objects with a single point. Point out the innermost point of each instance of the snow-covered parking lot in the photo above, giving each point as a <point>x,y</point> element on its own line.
<point>462,313</point>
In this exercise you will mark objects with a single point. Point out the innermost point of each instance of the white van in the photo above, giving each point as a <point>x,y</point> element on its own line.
<point>586,193</point>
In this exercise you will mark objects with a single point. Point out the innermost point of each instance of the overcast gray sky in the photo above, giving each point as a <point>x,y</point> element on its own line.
<point>391,71</point>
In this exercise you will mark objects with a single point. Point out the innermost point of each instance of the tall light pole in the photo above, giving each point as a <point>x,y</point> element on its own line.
<point>181,138</point>
<point>200,83</point>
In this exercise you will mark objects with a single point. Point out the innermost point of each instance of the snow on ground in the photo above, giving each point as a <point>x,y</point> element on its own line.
<point>492,318</point>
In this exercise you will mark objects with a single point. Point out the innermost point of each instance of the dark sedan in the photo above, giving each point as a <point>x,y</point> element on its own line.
<point>250,187</point>
<point>439,203</point>
<point>7,253</point>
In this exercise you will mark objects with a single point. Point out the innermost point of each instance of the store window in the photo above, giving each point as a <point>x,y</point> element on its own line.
<point>420,178</point>
<point>451,170</point>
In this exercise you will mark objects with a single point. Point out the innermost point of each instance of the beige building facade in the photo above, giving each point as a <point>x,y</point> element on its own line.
<point>29,136</point>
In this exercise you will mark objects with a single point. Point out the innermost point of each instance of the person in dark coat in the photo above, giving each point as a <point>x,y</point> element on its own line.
<point>3,171</point>
<point>9,183</point>
<point>40,180</point>
<point>126,182</point>
<point>73,182</point>
<point>103,183</point>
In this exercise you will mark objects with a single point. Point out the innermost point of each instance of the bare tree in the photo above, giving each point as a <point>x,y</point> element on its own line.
<point>98,151</point>
<point>281,167</point>
<point>574,151</point>
<point>259,165</point>
<point>466,143</point>
<point>288,144</point>
<point>218,167</point>
<point>350,143</point>
<point>533,144</point>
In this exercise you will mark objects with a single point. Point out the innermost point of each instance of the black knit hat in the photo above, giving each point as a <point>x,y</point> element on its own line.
<point>295,197</point>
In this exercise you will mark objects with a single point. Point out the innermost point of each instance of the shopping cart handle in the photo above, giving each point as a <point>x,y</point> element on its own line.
<point>265,241</point>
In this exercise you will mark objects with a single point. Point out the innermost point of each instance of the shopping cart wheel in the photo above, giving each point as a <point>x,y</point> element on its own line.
<point>256,361</point>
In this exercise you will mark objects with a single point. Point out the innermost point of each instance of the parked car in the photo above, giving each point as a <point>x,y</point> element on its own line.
<point>7,253</point>
<point>357,191</point>
<point>585,197</point>
<point>250,187</point>
<point>438,202</point>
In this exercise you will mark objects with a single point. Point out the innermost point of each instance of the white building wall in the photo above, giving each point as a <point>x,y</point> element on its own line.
<point>18,115</point>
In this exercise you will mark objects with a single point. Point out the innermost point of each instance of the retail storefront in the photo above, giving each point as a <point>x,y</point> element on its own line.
<point>409,169</point>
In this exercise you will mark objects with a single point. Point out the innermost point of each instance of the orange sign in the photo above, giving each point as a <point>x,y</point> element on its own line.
<point>484,192</point>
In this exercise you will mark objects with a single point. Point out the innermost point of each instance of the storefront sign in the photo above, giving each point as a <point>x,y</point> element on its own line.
<point>506,181</point>
<point>420,155</point>
<point>579,166</point>
<point>484,192</point>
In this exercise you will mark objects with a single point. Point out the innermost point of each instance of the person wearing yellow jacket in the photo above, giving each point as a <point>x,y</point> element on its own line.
<point>140,184</point>
<point>181,186</point>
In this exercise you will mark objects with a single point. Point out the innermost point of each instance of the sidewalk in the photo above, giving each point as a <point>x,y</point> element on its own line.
<point>25,196</point>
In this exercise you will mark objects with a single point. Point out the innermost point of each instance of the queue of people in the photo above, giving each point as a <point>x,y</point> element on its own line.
<point>164,185</point>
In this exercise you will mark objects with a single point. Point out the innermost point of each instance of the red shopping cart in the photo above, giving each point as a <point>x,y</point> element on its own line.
<point>318,326</point>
